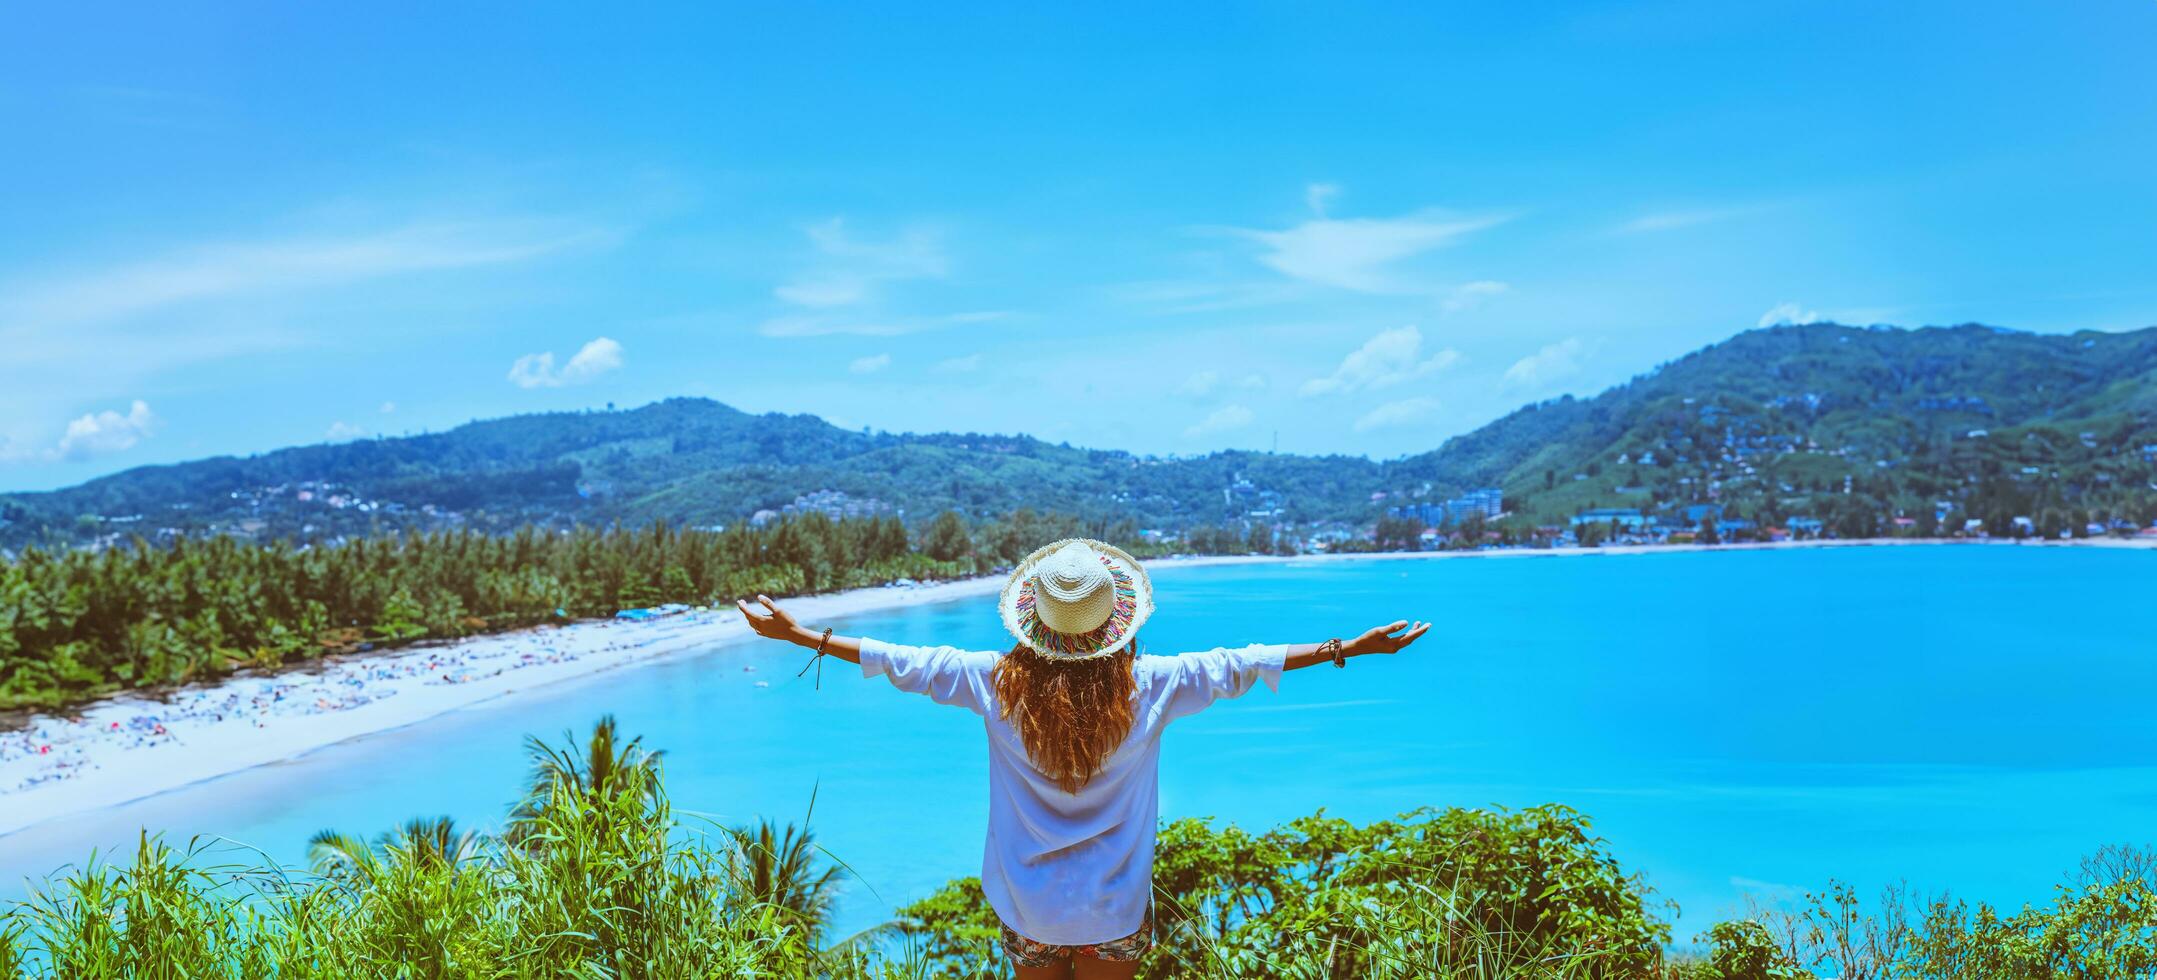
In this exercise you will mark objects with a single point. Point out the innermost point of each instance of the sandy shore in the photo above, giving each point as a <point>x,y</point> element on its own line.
<point>131,747</point>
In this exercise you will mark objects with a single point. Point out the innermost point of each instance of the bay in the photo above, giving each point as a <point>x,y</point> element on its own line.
<point>1748,722</point>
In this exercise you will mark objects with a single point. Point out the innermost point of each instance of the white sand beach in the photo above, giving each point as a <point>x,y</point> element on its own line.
<point>130,747</point>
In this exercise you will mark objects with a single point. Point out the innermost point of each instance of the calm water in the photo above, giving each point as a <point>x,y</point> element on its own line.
<point>1965,718</point>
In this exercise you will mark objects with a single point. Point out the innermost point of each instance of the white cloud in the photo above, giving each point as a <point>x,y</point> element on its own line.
<point>534,371</point>
<point>1319,195</point>
<point>99,434</point>
<point>1469,294</point>
<point>822,292</point>
<point>1552,363</point>
<point>592,360</point>
<point>99,329</point>
<point>389,408</point>
<point>1204,383</point>
<point>959,365</point>
<point>1356,253</point>
<point>226,271</point>
<point>1224,419</point>
<point>848,269</point>
<point>1407,411</point>
<point>1772,889</point>
<point>842,292</point>
<point>824,325</point>
<point>870,364</point>
<point>1671,220</point>
<point>1675,218</point>
<point>1172,296</point>
<point>915,252</point>
<point>1391,357</point>
<point>1787,314</point>
<point>342,431</point>
<point>1199,385</point>
<point>1324,252</point>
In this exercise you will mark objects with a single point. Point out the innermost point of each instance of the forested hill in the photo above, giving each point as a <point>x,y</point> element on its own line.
<point>1830,421</point>
<point>686,461</point>
<point>1777,421</point>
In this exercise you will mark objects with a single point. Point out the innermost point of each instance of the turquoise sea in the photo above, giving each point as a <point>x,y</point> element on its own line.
<point>1960,717</point>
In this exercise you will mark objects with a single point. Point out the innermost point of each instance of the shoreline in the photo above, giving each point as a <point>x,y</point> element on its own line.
<point>131,746</point>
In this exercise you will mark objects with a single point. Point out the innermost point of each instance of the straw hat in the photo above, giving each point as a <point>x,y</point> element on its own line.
<point>1076,599</point>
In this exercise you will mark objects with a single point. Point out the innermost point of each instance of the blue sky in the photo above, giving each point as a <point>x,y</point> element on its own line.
<point>1350,229</point>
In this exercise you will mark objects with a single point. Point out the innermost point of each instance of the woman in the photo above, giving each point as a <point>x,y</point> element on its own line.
<point>1074,722</point>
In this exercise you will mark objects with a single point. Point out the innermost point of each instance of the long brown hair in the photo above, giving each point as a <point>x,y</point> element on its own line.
<point>1070,713</point>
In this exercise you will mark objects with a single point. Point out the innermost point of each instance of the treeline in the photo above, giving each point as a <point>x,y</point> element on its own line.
<point>78,624</point>
<point>594,875</point>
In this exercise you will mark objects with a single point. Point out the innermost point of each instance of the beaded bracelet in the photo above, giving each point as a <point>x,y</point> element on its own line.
<point>1332,648</point>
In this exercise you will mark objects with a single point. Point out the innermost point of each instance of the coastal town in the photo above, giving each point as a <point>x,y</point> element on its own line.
<point>1418,519</point>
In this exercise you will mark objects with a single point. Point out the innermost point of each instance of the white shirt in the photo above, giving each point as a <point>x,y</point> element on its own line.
<point>1074,868</point>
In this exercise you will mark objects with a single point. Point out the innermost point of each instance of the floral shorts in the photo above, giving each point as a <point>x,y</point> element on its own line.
<point>1026,952</point>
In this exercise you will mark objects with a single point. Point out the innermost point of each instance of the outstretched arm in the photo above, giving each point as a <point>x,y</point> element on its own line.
<point>1389,638</point>
<point>947,675</point>
<point>776,624</point>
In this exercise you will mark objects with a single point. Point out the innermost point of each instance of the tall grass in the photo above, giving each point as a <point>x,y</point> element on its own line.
<point>611,889</point>
<point>598,878</point>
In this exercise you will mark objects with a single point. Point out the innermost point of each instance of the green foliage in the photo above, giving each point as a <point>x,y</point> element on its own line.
<point>605,884</point>
<point>953,930</point>
<point>2103,923</point>
<point>78,624</point>
<point>779,868</point>
<point>337,855</point>
<point>946,538</point>
<point>685,461</point>
<point>638,592</point>
<point>1745,950</point>
<point>599,879</point>
<point>1431,894</point>
<point>1398,534</point>
<point>1799,420</point>
<point>2102,929</point>
<point>400,618</point>
<point>1477,894</point>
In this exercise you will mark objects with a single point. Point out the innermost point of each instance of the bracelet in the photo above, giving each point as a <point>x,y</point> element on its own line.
<point>817,658</point>
<point>1332,648</point>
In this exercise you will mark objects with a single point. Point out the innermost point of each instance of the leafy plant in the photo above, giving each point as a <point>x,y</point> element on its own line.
<point>605,881</point>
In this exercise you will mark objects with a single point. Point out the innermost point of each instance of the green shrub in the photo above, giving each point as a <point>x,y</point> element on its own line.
<point>597,878</point>
<point>1745,950</point>
<point>1451,893</point>
<point>603,884</point>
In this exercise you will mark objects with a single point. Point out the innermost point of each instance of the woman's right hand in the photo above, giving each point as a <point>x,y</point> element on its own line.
<point>1390,638</point>
<point>776,625</point>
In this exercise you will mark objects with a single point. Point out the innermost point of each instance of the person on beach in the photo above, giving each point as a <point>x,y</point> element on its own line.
<point>1074,718</point>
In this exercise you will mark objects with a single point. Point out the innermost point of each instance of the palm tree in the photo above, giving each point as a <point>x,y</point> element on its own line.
<point>422,842</point>
<point>779,868</point>
<point>339,855</point>
<point>607,768</point>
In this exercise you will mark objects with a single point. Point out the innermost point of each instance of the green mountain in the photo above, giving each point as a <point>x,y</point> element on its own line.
<point>1842,423</point>
<point>1853,425</point>
<point>686,461</point>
